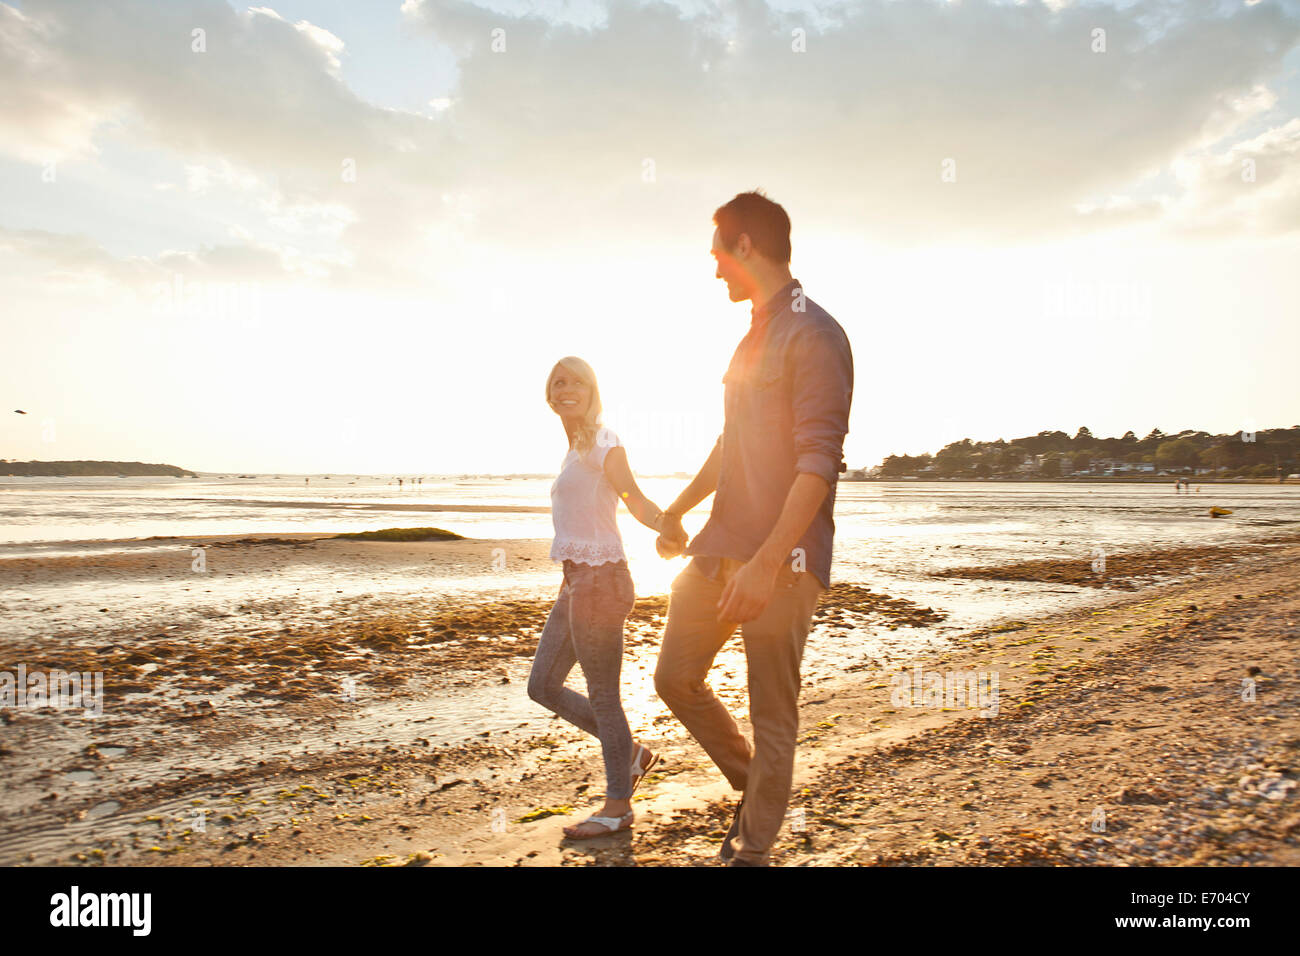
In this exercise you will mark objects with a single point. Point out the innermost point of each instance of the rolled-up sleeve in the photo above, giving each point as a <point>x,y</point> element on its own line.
<point>822,391</point>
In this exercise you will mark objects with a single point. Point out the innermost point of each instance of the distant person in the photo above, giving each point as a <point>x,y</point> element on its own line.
<point>586,624</point>
<point>763,558</point>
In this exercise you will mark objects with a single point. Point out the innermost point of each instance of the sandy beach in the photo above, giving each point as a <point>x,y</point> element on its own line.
<point>395,731</point>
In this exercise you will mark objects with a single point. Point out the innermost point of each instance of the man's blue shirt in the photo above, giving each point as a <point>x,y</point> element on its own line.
<point>787,395</point>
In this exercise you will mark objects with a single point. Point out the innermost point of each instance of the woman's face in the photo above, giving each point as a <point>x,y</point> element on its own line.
<point>569,394</point>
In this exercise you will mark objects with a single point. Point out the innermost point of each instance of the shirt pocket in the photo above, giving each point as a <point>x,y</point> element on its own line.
<point>769,397</point>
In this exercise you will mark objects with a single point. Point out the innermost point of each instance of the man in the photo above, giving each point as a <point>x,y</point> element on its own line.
<point>763,558</point>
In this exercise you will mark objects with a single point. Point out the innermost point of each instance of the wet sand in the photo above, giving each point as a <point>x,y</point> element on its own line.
<point>1124,570</point>
<point>225,696</point>
<point>236,744</point>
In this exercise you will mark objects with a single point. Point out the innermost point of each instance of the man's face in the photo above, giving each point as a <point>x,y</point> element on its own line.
<point>730,270</point>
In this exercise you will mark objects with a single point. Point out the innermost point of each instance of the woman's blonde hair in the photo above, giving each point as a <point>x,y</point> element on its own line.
<point>586,436</point>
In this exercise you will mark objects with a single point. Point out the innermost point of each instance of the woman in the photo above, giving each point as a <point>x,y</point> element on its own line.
<point>586,624</point>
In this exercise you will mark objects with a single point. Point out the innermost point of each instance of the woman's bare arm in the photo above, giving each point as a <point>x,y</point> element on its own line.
<point>619,474</point>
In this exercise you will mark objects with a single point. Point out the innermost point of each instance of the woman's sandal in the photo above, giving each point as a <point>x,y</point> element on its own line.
<point>615,824</point>
<point>639,772</point>
<point>611,825</point>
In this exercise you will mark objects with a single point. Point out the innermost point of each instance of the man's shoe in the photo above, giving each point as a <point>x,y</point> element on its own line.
<point>726,853</point>
<point>737,861</point>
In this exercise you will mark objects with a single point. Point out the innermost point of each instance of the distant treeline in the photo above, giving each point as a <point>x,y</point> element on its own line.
<point>1270,453</point>
<point>56,469</point>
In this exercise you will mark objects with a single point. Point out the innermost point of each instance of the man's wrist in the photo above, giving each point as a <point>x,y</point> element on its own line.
<point>767,561</point>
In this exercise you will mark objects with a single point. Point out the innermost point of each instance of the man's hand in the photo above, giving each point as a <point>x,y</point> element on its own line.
<point>667,548</point>
<point>748,592</point>
<point>672,537</point>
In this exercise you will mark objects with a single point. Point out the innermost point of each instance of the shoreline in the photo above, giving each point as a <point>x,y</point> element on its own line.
<point>677,476</point>
<point>1087,479</point>
<point>386,797</point>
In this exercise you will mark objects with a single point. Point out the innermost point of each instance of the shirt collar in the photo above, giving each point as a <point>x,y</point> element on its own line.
<point>761,313</point>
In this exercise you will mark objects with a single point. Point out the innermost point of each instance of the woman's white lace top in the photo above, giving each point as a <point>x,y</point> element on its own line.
<point>584,505</point>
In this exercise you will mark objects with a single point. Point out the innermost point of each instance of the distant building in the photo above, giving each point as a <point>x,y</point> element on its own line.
<point>1116,466</point>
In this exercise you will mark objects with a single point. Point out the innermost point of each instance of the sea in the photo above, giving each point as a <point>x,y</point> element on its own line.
<point>890,536</point>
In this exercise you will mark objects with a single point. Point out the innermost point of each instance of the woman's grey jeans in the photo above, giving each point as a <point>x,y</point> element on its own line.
<point>586,627</point>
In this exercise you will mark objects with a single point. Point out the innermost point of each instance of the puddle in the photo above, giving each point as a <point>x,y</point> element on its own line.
<point>103,809</point>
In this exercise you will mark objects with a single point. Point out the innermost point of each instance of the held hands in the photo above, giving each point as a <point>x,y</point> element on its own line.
<point>672,536</point>
<point>750,589</point>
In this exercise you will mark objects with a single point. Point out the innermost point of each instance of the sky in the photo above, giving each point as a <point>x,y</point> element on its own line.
<point>328,236</point>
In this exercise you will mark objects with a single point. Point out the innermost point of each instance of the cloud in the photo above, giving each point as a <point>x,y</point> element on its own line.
<point>1252,185</point>
<point>858,126</point>
<point>261,90</point>
<point>262,103</point>
<point>64,255</point>
<point>640,124</point>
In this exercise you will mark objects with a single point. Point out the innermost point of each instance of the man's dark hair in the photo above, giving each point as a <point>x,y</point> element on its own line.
<point>764,221</point>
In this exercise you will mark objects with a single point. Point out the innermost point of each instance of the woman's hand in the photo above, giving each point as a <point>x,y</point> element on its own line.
<point>666,548</point>
<point>672,536</point>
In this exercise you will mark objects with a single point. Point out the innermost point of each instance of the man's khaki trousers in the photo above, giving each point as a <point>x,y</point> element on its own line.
<point>774,643</point>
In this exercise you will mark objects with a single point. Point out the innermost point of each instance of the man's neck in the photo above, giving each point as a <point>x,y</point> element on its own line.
<point>769,285</point>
